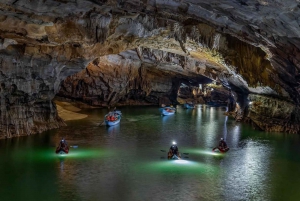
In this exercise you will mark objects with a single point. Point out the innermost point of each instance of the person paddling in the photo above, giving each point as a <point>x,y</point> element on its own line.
<point>173,151</point>
<point>222,147</point>
<point>222,144</point>
<point>63,143</point>
<point>62,147</point>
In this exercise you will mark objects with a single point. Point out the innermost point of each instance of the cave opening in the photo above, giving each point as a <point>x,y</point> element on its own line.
<point>65,65</point>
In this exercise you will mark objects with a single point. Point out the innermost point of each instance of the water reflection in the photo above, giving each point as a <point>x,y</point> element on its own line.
<point>113,130</point>
<point>225,131</point>
<point>124,162</point>
<point>167,120</point>
<point>249,177</point>
<point>179,166</point>
<point>61,162</point>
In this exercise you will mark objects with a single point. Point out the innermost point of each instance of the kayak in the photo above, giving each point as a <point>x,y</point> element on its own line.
<point>188,106</point>
<point>60,150</point>
<point>222,150</point>
<point>173,156</point>
<point>113,118</point>
<point>168,111</point>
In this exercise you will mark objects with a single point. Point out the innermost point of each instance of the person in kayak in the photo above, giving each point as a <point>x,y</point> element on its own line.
<point>173,151</point>
<point>63,143</point>
<point>222,144</point>
<point>222,147</point>
<point>62,147</point>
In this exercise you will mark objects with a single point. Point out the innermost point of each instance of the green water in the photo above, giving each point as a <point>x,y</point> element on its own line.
<point>128,161</point>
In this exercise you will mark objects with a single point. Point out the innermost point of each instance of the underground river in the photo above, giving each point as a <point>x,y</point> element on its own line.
<point>129,161</point>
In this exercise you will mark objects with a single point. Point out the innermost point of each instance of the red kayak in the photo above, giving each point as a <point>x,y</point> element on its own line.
<point>222,150</point>
<point>62,150</point>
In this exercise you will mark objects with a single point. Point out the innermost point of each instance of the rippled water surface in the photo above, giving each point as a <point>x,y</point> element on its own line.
<point>128,161</point>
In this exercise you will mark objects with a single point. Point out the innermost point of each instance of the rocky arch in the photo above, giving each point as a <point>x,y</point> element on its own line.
<point>139,76</point>
<point>39,49</point>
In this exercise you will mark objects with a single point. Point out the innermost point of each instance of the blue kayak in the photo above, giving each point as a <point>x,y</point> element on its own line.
<point>113,118</point>
<point>168,111</point>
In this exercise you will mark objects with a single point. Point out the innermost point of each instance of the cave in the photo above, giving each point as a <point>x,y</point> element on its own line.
<point>240,54</point>
<point>93,56</point>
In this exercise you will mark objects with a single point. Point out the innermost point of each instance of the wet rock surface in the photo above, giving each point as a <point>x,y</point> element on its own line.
<point>271,114</point>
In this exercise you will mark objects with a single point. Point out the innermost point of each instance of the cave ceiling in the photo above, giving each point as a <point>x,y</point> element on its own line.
<point>251,46</point>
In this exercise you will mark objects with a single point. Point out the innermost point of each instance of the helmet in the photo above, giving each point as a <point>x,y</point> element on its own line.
<point>174,143</point>
<point>222,139</point>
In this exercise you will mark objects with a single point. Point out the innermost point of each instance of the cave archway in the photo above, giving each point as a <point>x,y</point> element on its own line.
<point>39,51</point>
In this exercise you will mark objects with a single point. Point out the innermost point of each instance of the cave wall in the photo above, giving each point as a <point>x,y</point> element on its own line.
<point>112,80</point>
<point>273,115</point>
<point>43,42</point>
<point>140,77</point>
<point>27,88</point>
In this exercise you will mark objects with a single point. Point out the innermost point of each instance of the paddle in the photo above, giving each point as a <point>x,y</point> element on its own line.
<point>73,146</point>
<point>182,153</point>
<point>102,123</point>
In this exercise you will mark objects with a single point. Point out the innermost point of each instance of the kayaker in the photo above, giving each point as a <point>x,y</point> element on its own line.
<point>174,149</point>
<point>222,144</point>
<point>62,147</point>
<point>63,143</point>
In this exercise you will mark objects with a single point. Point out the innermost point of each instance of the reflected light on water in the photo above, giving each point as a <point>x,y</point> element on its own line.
<point>225,128</point>
<point>199,113</point>
<point>113,129</point>
<point>204,152</point>
<point>49,154</point>
<point>125,162</point>
<point>250,173</point>
<point>184,166</point>
<point>236,132</point>
<point>87,153</point>
<point>182,161</point>
<point>211,114</point>
<point>166,118</point>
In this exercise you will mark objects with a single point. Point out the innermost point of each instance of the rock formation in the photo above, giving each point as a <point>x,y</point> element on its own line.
<point>250,46</point>
<point>140,76</point>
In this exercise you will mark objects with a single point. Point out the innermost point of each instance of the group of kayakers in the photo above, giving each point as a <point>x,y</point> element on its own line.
<point>175,154</point>
<point>63,147</point>
<point>172,154</point>
<point>173,151</point>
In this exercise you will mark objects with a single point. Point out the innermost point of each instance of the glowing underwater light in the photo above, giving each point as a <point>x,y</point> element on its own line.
<point>49,154</point>
<point>181,161</point>
<point>86,153</point>
<point>204,152</point>
<point>179,166</point>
